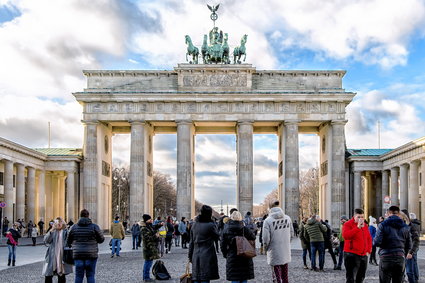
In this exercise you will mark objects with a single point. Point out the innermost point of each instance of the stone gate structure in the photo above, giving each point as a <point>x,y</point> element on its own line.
<point>223,98</point>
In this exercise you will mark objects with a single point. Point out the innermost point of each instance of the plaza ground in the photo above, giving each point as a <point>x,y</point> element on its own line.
<point>128,267</point>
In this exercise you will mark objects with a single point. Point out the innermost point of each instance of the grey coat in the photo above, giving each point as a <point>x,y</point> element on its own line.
<point>49,267</point>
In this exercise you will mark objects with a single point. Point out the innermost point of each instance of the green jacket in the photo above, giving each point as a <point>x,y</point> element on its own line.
<point>314,230</point>
<point>304,242</point>
<point>340,237</point>
<point>150,242</point>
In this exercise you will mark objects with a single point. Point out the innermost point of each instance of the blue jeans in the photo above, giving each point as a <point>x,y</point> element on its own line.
<point>341,253</point>
<point>116,246</point>
<point>412,270</point>
<point>12,252</point>
<point>147,269</point>
<point>135,241</point>
<point>305,251</point>
<point>317,247</point>
<point>87,266</point>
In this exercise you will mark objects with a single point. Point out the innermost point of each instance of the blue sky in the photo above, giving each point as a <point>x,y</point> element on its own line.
<point>45,45</point>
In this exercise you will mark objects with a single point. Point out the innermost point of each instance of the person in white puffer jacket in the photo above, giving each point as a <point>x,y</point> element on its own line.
<point>276,237</point>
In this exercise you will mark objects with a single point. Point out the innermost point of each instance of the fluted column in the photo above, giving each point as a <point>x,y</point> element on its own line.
<point>20,191</point>
<point>413,194</point>
<point>378,194</point>
<point>70,195</point>
<point>357,189</point>
<point>137,170</point>
<point>403,185</point>
<point>385,187</point>
<point>292,190</point>
<point>42,195</point>
<point>422,191</point>
<point>185,176</point>
<point>30,194</point>
<point>8,190</point>
<point>245,178</point>
<point>394,186</point>
<point>91,170</point>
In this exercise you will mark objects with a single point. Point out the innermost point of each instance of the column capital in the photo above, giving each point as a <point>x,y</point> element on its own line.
<point>395,168</point>
<point>70,171</point>
<point>338,122</point>
<point>404,165</point>
<point>90,122</point>
<point>184,122</point>
<point>7,161</point>
<point>291,122</point>
<point>245,122</point>
<point>137,122</point>
<point>415,162</point>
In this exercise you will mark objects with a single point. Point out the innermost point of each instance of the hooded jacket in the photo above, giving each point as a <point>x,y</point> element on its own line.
<point>415,230</point>
<point>84,237</point>
<point>393,237</point>
<point>357,240</point>
<point>314,230</point>
<point>150,241</point>
<point>277,231</point>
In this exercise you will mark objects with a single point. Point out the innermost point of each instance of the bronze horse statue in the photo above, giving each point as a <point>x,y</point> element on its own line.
<point>240,50</point>
<point>191,50</point>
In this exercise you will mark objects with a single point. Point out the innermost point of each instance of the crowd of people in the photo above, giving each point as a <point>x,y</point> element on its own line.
<point>353,245</point>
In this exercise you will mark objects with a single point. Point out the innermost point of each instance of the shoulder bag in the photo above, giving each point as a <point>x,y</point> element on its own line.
<point>244,247</point>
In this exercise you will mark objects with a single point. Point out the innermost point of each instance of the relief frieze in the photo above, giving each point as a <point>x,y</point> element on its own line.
<point>215,80</point>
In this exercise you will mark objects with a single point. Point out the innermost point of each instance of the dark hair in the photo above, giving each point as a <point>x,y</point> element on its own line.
<point>206,213</point>
<point>394,209</point>
<point>183,218</point>
<point>84,213</point>
<point>248,213</point>
<point>233,210</point>
<point>358,211</point>
<point>117,217</point>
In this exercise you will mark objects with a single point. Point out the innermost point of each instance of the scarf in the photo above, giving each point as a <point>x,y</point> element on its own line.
<point>59,253</point>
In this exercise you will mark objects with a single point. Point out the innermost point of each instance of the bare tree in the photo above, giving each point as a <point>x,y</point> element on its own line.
<point>164,195</point>
<point>120,191</point>
<point>309,192</point>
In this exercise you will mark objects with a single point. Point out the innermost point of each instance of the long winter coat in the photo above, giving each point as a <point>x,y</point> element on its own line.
<point>49,267</point>
<point>150,242</point>
<point>237,268</point>
<point>277,237</point>
<point>305,243</point>
<point>202,251</point>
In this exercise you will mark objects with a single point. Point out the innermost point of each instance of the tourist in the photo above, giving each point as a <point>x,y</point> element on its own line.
<point>183,232</point>
<point>12,236</point>
<point>53,263</point>
<point>117,233</point>
<point>412,269</point>
<point>176,234</point>
<point>357,247</point>
<point>314,230</point>
<point>238,269</point>
<point>372,231</point>
<point>162,231</point>
<point>327,236</point>
<point>70,223</point>
<point>381,219</point>
<point>30,225</point>
<point>202,252</point>
<point>50,225</point>
<point>296,228</point>
<point>150,245</point>
<point>394,240</point>
<point>220,224</point>
<point>5,225</point>
<point>305,244</point>
<point>34,234</point>
<point>41,226</point>
<point>84,237</point>
<point>135,234</point>
<point>249,222</point>
<point>169,235</point>
<point>277,242</point>
<point>343,219</point>
<point>261,234</point>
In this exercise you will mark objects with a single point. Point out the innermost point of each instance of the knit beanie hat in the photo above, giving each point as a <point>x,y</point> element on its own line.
<point>146,217</point>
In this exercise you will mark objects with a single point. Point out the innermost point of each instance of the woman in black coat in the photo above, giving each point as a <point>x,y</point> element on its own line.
<point>238,268</point>
<point>202,252</point>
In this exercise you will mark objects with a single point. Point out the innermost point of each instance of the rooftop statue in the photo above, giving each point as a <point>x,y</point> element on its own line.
<point>240,50</point>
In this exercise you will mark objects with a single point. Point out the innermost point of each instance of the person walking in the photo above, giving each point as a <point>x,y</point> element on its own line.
<point>238,269</point>
<point>34,234</point>
<point>296,228</point>
<point>176,234</point>
<point>343,219</point>
<point>314,230</point>
<point>150,245</point>
<point>372,231</point>
<point>357,247</point>
<point>30,225</point>
<point>277,242</point>
<point>261,234</point>
<point>135,233</point>
<point>327,236</point>
<point>12,236</point>
<point>394,240</point>
<point>202,253</point>
<point>41,226</point>
<point>183,232</point>
<point>53,263</point>
<point>117,234</point>
<point>249,222</point>
<point>412,269</point>
<point>84,237</point>
<point>169,235</point>
<point>305,244</point>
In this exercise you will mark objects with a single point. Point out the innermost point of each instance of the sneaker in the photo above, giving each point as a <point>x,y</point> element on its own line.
<point>305,267</point>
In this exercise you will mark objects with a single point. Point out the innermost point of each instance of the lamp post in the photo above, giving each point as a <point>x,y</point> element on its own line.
<point>118,176</point>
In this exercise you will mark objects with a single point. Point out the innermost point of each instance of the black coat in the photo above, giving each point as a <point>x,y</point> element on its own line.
<point>202,251</point>
<point>84,237</point>
<point>393,237</point>
<point>237,268</point>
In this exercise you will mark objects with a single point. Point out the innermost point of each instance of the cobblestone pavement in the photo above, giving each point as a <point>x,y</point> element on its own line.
<point>128,268</point>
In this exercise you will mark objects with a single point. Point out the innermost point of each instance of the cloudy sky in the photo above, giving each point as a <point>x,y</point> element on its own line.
<point>45,45</point>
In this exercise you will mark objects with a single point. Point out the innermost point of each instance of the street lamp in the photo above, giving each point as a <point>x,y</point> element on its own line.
<point>118,176</point>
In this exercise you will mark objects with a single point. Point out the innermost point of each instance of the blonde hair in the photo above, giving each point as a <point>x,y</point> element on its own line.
<point>404,217</point>
<point>236,216</point>
<point>59,220</point>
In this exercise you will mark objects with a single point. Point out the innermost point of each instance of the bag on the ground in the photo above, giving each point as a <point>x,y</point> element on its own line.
<point>244,247</point>
<point>159,271</point>
<point>67,255</point>
<point>187,277</point>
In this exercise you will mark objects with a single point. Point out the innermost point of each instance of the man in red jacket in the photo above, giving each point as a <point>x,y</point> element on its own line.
<point>357,247</point>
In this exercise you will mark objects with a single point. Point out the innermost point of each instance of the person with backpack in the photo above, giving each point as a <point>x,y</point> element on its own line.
<point>239,269</point>
<point>150,245</point>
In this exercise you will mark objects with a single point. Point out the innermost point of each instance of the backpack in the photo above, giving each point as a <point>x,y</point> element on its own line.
<point>159,271</point>
<point>163,231</point>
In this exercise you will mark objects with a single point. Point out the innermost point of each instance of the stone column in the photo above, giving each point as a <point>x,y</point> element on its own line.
<point>404,185</point>
<point>70,195</point>
<point>338,169</point>
<point>357,189</point>
<point>42,195</point>
<point>394,186</point>
<point>245,169</point>
<point>292,190</point>
<point>413,194</point>
<point>8,190</point>
<point>422,216</point>
<point>20,191</point>
<point>91,170</point>
<point>30,194</point>
<point>185,159</point>
<point>385,188</point>
<point>137,170</point>
<point>378,194</point>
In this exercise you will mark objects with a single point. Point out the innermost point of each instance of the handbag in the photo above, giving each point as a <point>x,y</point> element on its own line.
<point>68,256</point>
<point>244,247</point>
<point>187,277</point>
